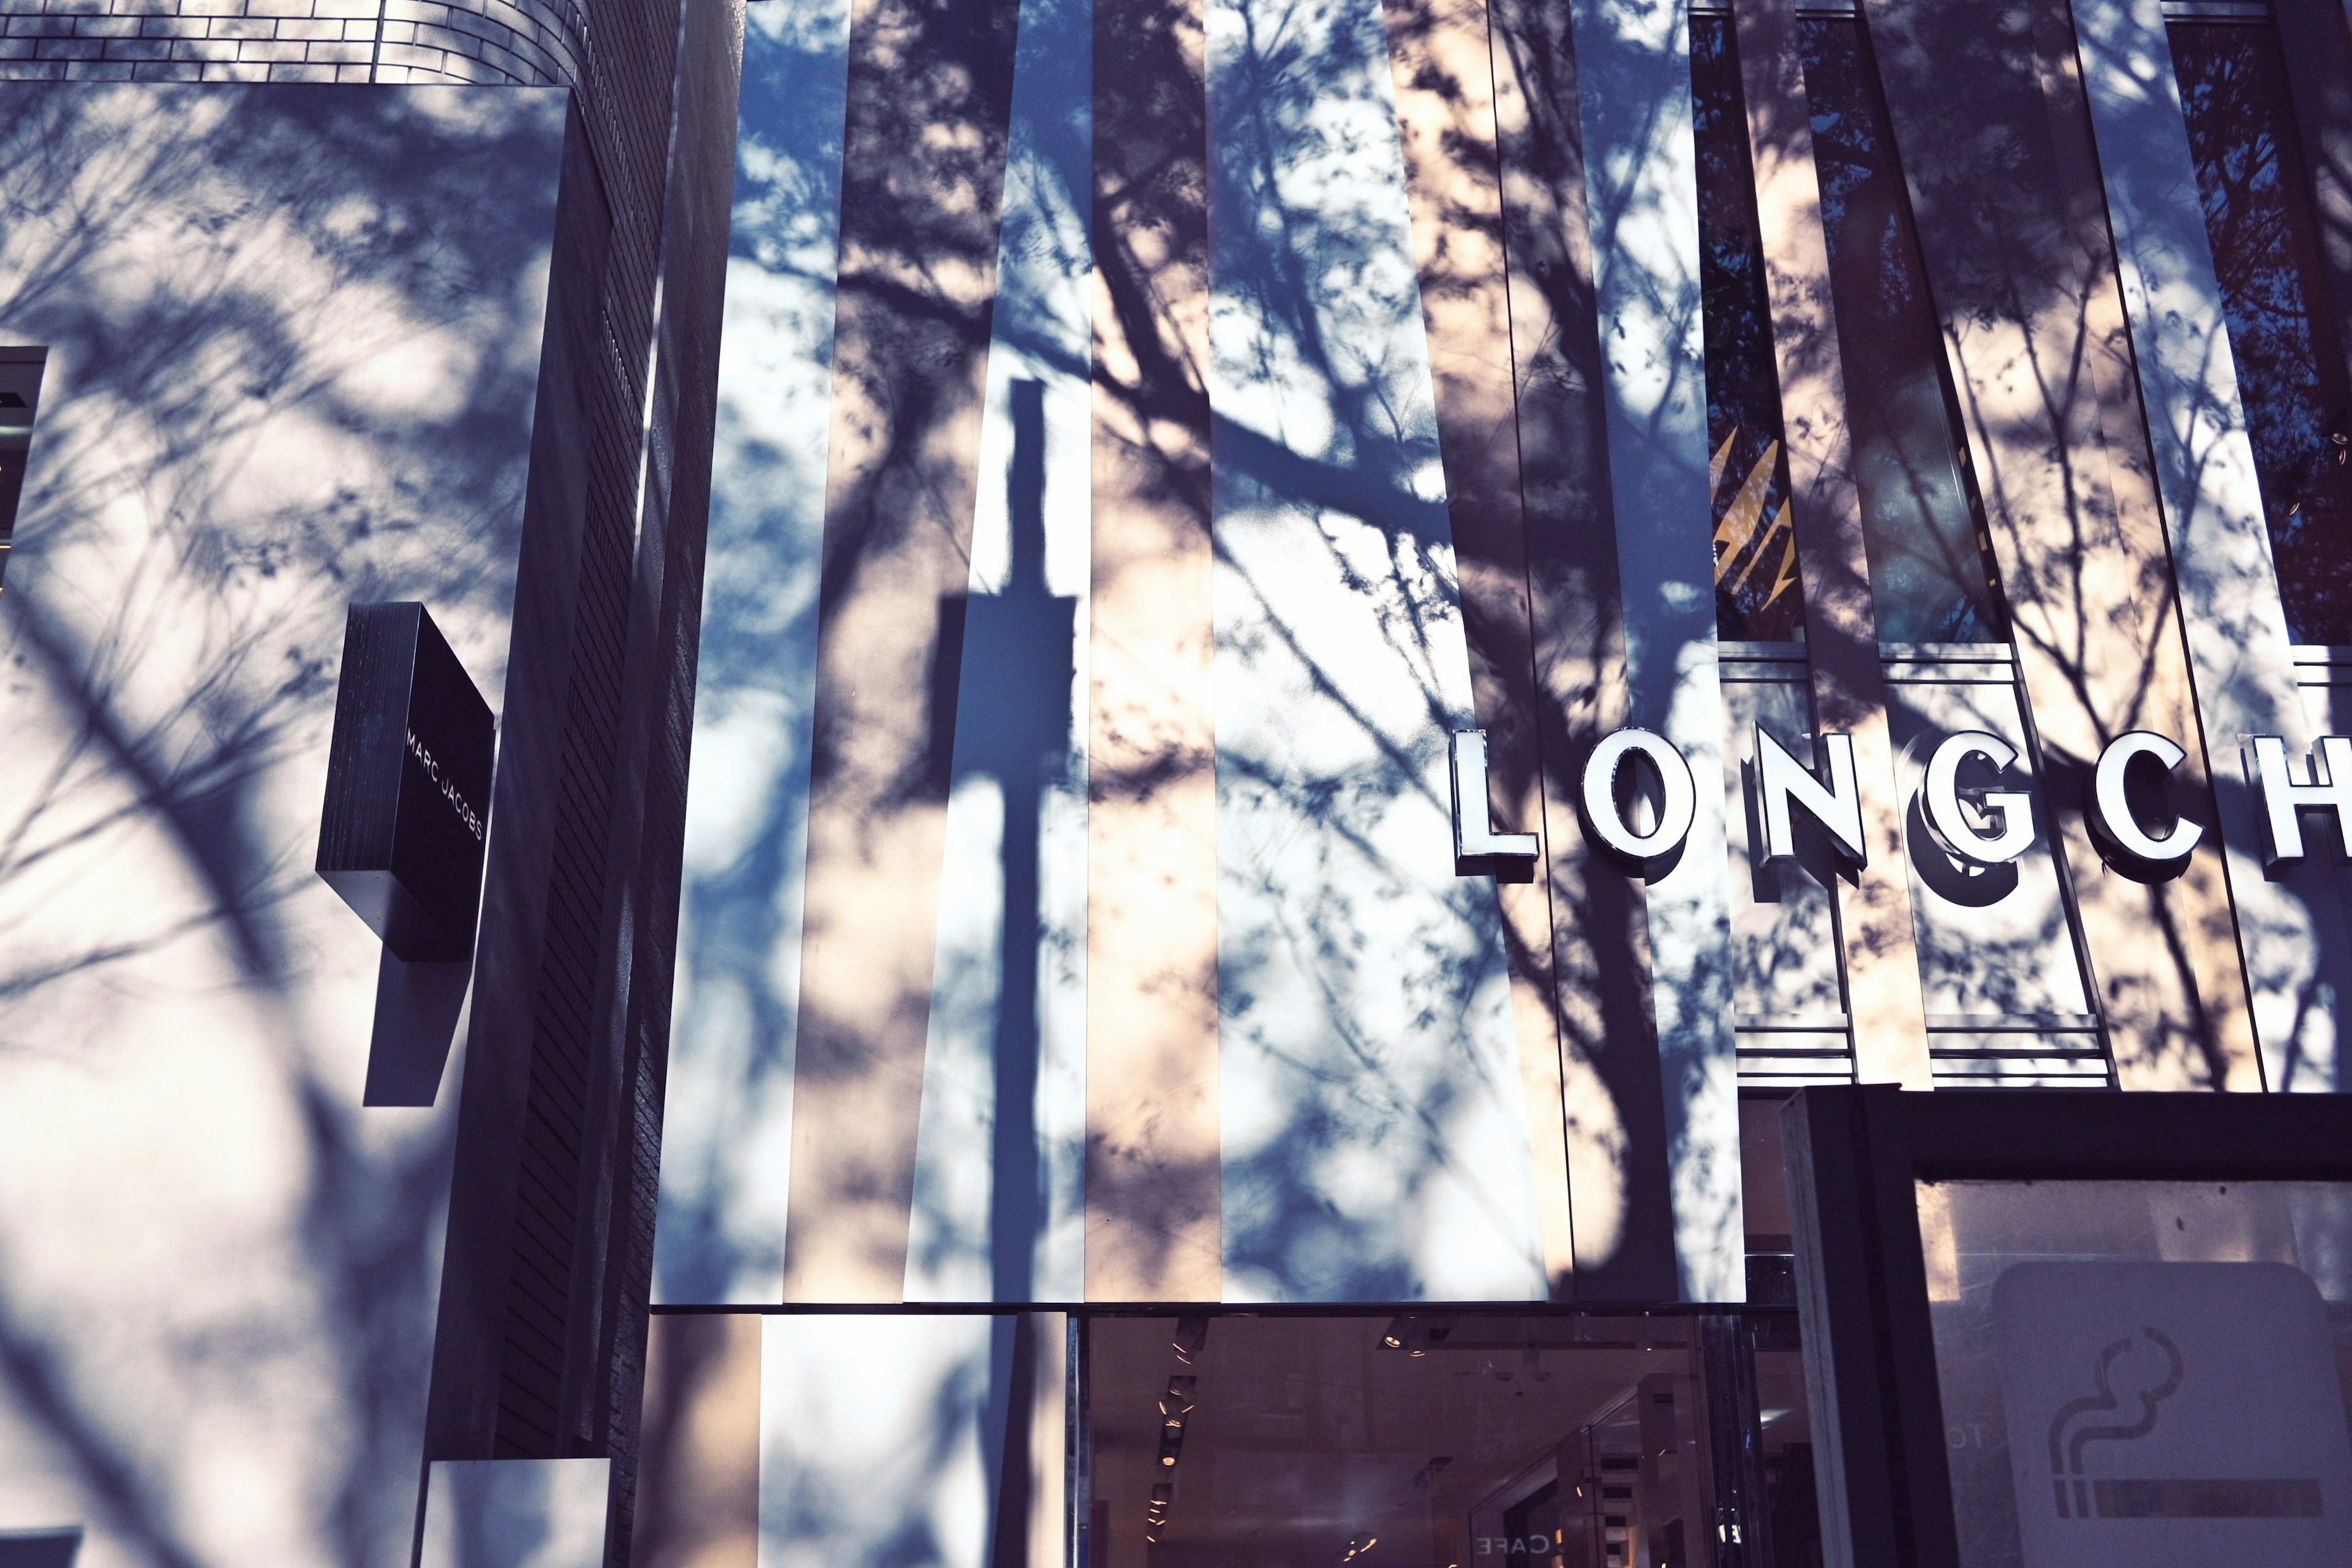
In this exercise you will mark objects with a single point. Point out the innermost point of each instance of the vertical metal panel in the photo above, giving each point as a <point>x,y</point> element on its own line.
<point>727,1119</point>
<point>2292,930</point>
<point>1999,962</point>
<point>698,1498</point>
<point>1619,1191</point>
<point>1151,1174</point>
<point>881,1437</point>
<point>515,1513</point>
<point>1634,99</point>
<point>999,1205</point>
<point>1875,927</point>
<point>928,108</point>
<point>889,1438</point>
<point>1375,1125</point>
<point>1787,990</point>
<point>2026,290</point>
<point>2316,42</point>
<point>1442,72</point>
<point>1885,1491</point>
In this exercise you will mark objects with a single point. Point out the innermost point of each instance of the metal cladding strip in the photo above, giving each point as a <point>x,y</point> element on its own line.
<point>728,1114</point>
<point>697,1500</point>
<point>879,1429</point>
<point>1618,1193</point>
<point>2026,292</point>
<point>1375,1138</point>
<point>999,1210</point>
<point>1442,72</point>
<point>1887,1012</point>
<point>1633,98</point>
<point>2292,932</point>
<point>929,101</point>
<point>1153,1206</point>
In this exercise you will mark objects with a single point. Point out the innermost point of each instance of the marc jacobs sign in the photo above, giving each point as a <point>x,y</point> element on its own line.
<point>408,786</point>
<point>1638,800</point>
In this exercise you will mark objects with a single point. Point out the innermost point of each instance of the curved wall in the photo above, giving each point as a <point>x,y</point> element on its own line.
<point>528,43</point>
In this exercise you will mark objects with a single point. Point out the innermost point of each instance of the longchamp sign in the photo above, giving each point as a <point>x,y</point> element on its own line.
<point>1638,799</point>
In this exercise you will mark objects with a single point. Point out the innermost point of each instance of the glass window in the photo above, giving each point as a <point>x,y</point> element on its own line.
<point>1757,596</point>
<point>2138,1373</point>
<point>1931,578</point>
<point>2250,176</point>
<point>1440,1440</point>
<point>20,397</point>
<point>1793,1516</point>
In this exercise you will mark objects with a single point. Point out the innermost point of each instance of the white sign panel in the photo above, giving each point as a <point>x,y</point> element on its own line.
<point>2183,1414</point>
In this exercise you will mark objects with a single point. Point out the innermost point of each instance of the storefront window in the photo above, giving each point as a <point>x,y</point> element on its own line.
<point>2138,1373</point>
<point>1786,1437</point>
<point>1930,577</point>
<point>1446,1440</point>
<point>2290,366</point>
<point>1757,595</point>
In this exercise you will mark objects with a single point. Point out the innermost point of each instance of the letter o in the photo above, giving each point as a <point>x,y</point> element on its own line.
<point>1678,805</point>
<point>2113,811</point>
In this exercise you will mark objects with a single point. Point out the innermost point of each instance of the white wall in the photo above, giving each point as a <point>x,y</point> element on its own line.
<point>294,338</point>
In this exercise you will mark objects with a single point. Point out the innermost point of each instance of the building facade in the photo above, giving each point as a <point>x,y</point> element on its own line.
<point>1278,781</point>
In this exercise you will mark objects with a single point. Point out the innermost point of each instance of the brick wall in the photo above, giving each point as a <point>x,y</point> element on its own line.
<point>534,43</point>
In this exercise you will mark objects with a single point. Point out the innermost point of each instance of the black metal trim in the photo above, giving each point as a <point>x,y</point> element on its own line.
<point>1854,1154</point>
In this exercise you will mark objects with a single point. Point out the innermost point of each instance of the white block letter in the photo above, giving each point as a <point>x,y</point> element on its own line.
<point>2284,801</point>
<point>1965,828</point>
<point>1473,830</point>
<point>2113,811</point>
<point>1780,779</point>
<point>1677,804</point>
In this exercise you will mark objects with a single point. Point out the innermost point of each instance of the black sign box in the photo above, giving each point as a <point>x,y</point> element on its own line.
<point>408,786</point>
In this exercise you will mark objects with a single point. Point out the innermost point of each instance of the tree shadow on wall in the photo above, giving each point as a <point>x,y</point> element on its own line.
<point>290,369</point>
<point>2027,291</point>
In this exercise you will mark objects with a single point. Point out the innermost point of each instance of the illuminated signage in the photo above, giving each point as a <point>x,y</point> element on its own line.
<point>1638,800</point>
<point>2285,798</point>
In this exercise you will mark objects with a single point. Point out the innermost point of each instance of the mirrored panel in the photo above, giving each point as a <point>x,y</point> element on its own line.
<point>1757,593</point>
<point>2283,333</point>
<point>1931,578</point>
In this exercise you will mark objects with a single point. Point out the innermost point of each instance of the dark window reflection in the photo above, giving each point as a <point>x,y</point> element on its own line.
<point>1929,576</point>
<point>1442,1440</point>
<point>20,395</point>
<point>2289,370</point>
<point>1756,593</point>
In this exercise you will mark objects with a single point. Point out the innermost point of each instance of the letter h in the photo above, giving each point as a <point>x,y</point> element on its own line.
<point>2284,801</point>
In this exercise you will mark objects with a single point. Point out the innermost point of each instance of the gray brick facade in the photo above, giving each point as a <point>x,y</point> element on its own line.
<point>534,43</point>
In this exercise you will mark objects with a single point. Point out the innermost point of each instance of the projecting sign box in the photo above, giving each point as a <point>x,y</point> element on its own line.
<point>2185,1414</point>
<point>408,786</point>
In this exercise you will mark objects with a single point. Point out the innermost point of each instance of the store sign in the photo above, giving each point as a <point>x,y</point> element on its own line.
<point>2181,1414</point>
<point>2285,798</point>
<point>1639,799</point>
<point>408,784</point>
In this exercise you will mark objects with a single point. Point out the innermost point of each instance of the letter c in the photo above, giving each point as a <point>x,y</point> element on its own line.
<point>1677,806</point>
<point>2113,813</point>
